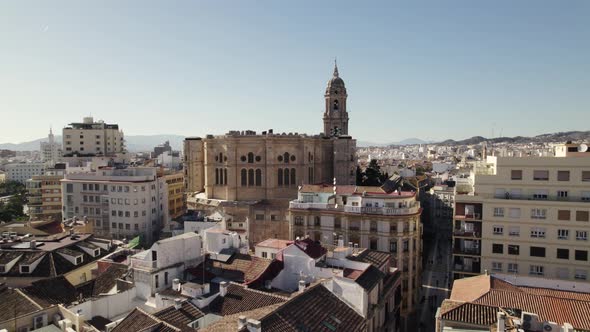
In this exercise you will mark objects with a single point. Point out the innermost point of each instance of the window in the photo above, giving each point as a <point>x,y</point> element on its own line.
<point>405,245</point>
<point>286,176</point>
<point>563,214</point>
<point>273,217</point>
<point>581,275</point>
<point>120,225</point>
<point>513,267</point>
<point>582,235</point>
<point>69,188</point>
<point>513,231</point>
<point>514,212</point>
<point>585,196</point>
<point>563,234</point>
<point>498,212</point>
<point>516,174</point>
<point>280,177</point>
<point>496,266</point>
<point>393,246</point>
<point>541,194</point>
<point>114,225</point>
<point>563,175</point>
<point>562,194</point>
<point>581,255</point>
<point>497,248</point>
<point>498,230</point>
<point>537,251</point>
<point>127,226</point>
<point>541,175</point>
<point>136,214</point>
<point>563,253</point>
<point>581,215</point>
<point>264,254</point>
<point>293,176</point>
<point>258,177</point>
<point>538,232</point>
<point>259,217</point>
<point>585,175</point>
<point>513,249</point>
<point>538,213</point>
<point>157,281</point>
<point>536,270</point>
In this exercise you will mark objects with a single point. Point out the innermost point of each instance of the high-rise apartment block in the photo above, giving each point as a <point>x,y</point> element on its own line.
<point>527,216</point>
<point>366,217</point>
<point>44,194</point>
<point>90,138</point>
<point>21,172</point>
<point>120,202</point>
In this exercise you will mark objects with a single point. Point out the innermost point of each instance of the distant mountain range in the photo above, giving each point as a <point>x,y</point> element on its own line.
<point>555,137</point>
<point>135,143</point>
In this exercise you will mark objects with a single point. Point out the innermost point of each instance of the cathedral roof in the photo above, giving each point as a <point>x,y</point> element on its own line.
<point>336,81</point>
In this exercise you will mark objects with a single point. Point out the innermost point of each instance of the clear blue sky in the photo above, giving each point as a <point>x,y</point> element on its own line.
<point>433,70</point>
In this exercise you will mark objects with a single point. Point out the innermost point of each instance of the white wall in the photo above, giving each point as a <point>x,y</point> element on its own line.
<point>109,306</point>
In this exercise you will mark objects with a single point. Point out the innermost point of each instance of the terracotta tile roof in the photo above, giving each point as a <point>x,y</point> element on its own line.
<point>105,281</point>
<point>312,248</point>
<point>556,293</point>
<point>137,320</point>
<point>316,309</point>
<point>15,302</point>
<point>373,257</point>
<point>241,268</point>
<point>57,290</point>
<point>370,278</point>
<point>472,313</point>
<point>469,289</point>
<point>230,322</point>
<point>180,318</point>
<point>240,299</point>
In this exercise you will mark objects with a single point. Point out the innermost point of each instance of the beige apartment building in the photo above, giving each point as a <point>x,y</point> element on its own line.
<point>176,205</point>
<point>44,194</point>
<point>90,138</point>
<point>528,216</point>
<point>364,217</point>
<point>252,176</point>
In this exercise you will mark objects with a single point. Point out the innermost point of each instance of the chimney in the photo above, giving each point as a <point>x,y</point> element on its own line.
<point>241,322</point>
<point>340,242</point>
<point>301,285</point>
<point>176,285</point>
<point>223,288</point>
<point>486,272</point>
<point>33,244</point>
<point>177,304</point>
<point>501,321</point>
<point>567,327</point>
<point>253,325</point>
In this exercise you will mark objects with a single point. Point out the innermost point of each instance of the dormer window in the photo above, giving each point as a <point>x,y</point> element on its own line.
<point>25,269</point>
<point>2,269</point>
<point>96,252</point>
<point>78,260</point>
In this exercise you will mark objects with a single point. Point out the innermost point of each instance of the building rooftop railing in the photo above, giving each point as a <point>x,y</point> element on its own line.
<point>356,209</point>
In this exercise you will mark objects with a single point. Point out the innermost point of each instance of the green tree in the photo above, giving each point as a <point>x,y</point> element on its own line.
<point>372,175</point>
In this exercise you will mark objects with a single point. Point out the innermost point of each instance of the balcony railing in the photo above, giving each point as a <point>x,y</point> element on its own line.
<point>357,209</point>
<point>475,216</point>
<point>467,233</point>
<point>139,263</point>
<point>467,251</point>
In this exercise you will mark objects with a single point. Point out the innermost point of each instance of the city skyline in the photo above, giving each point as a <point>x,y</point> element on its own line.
<point>201,68</point>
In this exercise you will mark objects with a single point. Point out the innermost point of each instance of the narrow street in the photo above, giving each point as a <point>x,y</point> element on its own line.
<point>436,278</point>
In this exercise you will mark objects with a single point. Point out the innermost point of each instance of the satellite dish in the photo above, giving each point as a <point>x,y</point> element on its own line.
<point>582,148</point>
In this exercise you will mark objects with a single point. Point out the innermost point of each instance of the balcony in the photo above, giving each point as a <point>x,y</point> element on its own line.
<point>467,232</point>
<point>306,206</point>
<point>142,264</point>
<point>474,216</point>
<point>473,268</point>
<point>388,211</point>
<point>467,251</point>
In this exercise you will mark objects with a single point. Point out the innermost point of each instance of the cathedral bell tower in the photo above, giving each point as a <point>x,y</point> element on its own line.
<point>335,116</point>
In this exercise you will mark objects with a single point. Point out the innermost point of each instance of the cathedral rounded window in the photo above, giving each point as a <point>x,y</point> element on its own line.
<point>280,158</point>
<point>243,158</point>
<point>292,158</point>
<point>258,158</point>
<point>216,158</point>
<point>224,158</point>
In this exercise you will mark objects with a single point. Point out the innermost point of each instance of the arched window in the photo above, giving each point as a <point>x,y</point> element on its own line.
<point>286,157</point>
<point>258,177</point>
<point>336,105</point>
<point>220,157</point>
<point>280,177</point>
<point>217,176</point>
<point>250,177</point>
<point>250,158</point>
<point>286,176</point>
<point>243,177</point>
<point>293,177</point>
<point>225,176</point>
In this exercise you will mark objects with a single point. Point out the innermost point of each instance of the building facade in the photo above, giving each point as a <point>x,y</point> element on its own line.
<point>23,171</point>
<point>44,194</point>
<point>122,203</point>
<point>260,172</point>
<point>51,152</point>
<point>365,217</point>
<point>529,217</point>
<point>176,205</point>
<point>90,138</point>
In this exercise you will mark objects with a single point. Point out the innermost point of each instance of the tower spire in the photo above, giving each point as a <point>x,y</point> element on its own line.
<point>335,67</point>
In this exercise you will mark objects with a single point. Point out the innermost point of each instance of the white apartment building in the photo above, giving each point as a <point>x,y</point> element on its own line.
<point>121,202</point>
<point>365,217</point>
<point>90,138</point>
<point>529,216</point>
<point>51,152</point>
<point>23,171</point>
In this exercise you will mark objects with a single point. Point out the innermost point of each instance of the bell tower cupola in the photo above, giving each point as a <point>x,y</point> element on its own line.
<point>335,116</point>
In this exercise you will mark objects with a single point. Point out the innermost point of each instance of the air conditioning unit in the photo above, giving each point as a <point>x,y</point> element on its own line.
<point>530,321</point>
<point>551,327</point>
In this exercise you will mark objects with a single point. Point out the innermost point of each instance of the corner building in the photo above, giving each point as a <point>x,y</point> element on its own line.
<point>253,176</point>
